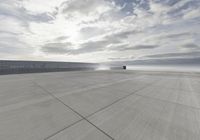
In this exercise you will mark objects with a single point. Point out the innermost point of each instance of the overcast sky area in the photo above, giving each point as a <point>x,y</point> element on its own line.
<point>99,30</point>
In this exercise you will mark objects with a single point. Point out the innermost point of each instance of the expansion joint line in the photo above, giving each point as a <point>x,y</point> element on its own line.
<point>83,118</point>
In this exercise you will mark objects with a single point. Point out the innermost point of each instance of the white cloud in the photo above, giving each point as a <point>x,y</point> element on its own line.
<point>96,30</point>
<point>192,14</point>
<point>41,6</point>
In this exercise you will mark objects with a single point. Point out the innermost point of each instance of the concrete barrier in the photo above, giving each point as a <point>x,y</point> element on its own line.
<point>15,67</point>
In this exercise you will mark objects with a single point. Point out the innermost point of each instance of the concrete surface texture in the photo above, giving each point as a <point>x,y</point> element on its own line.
<point>100,105</point>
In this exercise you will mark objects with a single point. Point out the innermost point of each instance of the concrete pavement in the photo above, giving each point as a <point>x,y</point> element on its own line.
<point>100,105</point>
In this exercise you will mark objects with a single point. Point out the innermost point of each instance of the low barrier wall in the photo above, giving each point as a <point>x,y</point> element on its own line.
<point>15,67</point>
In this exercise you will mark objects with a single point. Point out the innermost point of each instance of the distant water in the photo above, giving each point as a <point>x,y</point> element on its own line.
<point>165,68</point>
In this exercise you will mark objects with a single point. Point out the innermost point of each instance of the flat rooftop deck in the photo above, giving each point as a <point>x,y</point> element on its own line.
<point>100,105</point>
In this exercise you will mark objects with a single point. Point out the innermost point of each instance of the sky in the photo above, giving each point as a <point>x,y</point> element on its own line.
<point>99,30</point>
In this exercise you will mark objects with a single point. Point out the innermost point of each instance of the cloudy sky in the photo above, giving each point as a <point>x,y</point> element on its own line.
<point>99,30</point>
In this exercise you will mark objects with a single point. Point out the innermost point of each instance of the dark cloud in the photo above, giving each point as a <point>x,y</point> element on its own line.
<point>66,48</point>
<point>118,37</point>
<point>56,48</point>
<point>43,17</point>
<point>186,5</point>
<point>10,44</point>
<point>175,38</point>
<point>174,55</point>
<point>15,11</point>
<point>10,39</point>
<point>61,38</point>
<point>121,58</point>
<point>77,6</point>
<point>124,34</point>
<point>177,35</point>
<point>93,46</point>
<point>8,33</point>
<point>91,31</point>
<point>129,6</point>
<point>19,48</point>
<point>117,47</point>
<point>191,46</point>
<point>167,2</point>
<point>125,47</point>
<point>140,47</point>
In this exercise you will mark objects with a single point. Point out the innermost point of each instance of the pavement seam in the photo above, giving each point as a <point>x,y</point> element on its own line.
<point>121,99</point>
<point>83,118</point>
<point>57,132</point>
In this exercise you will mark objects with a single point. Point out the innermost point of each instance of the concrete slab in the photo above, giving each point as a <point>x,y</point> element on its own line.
<point>80,131</point>
<point>185,95</point>
<point>148,119</point>
<point>190,84</point>
<point>35,121</point>
<point>27,112</point>
<point>120,104</point>
<point>160,93</point>
<point>184,124</point>
<point>166,82</point>
<point>18,91</point>
<point>189,98</point>
<point>96,98</point>
<point>67,82</point>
